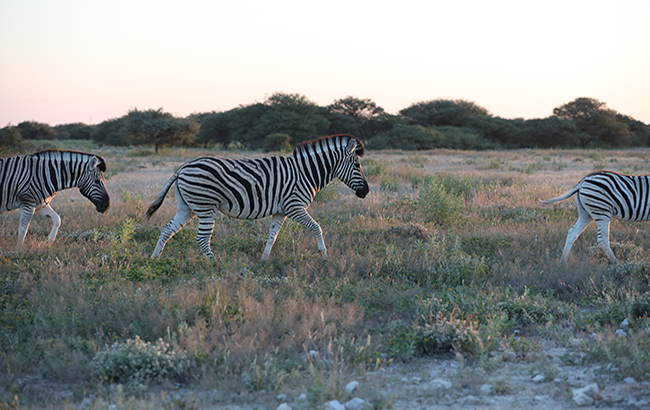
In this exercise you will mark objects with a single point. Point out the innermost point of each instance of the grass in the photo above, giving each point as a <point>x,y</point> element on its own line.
<point>447,254</point>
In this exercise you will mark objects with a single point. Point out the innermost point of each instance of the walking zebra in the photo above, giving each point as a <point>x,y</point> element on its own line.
<point>30,182</point>
<point>256,188</point>
<point>603,195</point>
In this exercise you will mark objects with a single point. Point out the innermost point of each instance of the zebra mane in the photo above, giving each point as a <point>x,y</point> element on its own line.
<point>101,165</point>
<point>323,142</point>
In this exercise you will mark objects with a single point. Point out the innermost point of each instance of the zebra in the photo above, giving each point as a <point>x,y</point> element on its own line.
<point>603,195</point>
<point>30,182</point>
<point>255,188</point>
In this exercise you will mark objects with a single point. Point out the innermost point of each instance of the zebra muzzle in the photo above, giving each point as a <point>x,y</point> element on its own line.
<point>363,191</point>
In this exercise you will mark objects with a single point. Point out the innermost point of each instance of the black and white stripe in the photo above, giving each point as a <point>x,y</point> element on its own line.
<point>30,182</point>
<point>604,195</point>
<point>256,188</point>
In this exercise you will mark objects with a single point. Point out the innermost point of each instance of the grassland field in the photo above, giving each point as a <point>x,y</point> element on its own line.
<point>450,256</point>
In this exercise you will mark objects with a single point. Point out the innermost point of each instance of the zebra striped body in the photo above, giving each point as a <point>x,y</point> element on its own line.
<point>30,182</point>
<point>604,195</point>
<point>256,188</point>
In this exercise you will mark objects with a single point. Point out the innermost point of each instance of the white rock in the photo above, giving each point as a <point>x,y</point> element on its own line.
<point>586,395</point>
<point>112,407</point>
<point>539,378</point>
<point>486,389</point>
<point>620,332</point>
<point>302,397</point>
<point>284,406</point>
<point>351,387</point>
<point>357,404</point>
<point>629,380</point>
<point>557,380</point>
<point>440,384</point>
<point>539,398</point>
<point>313,355</point>
<point>625,323</point>
<point>416,380</point>
<point>281,397</point>
<point>333,405</point>
<point>575,341</point>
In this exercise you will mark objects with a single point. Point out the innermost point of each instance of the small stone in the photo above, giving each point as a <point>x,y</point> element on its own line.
<point>625,323</point>
<point>539,398</point>
<point>575,341</point>
<point>333,405</point>
<point>357,404</point>
<point>416,380</point>
<point>586,395</point>
<point>351,387</point>
<point>281,397</point>
<point>539,378</point>
<point>581,399</point>
<point>486,389</point>
<point>620,332</point>
<point>557,380</point>
<point>440,384</point>
<point>313,355</point>
<point>284,406</point>
<point>629,380</point>
<point>302,397</point>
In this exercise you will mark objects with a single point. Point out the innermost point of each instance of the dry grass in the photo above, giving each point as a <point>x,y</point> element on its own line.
<point>95,285</point>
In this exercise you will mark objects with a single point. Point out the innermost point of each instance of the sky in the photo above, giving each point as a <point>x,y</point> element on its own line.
<point>66,61</point>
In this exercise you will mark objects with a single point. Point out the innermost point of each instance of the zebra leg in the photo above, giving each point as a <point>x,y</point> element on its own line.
<point>206,226</point>
<point>583,221</point>
<point>183,216</point>
<point>603,238</point>
<point>276,224</point>
<point>301,216</point>
<point>26,213</point>
<point>48,212</point>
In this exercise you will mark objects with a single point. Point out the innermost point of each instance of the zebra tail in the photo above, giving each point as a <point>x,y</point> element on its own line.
<point>564,196</point>
<point>158,202</point>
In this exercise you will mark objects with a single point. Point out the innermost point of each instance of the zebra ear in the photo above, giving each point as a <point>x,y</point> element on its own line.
<point>99,162</point>
<point>355,145</point>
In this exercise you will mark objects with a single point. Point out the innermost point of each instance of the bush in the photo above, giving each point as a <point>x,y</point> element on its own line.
<point>277,142</point>
<point>437,204</point>
<point>138,363</point>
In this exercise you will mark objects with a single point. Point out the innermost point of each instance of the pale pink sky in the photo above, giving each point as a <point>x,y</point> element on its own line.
<point>87,61</point>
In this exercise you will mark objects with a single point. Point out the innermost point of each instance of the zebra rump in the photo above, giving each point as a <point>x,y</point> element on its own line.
<point>30,182</point>
<point>255,188</point>
<point>601,196</point>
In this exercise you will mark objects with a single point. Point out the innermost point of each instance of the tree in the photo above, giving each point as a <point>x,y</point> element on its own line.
<point>596,123</point>
<point>551,132</point>
<point>364,112</point>
<point>74,131</point>
<point>160,129</point>
<point>409,137</point>
<point>32,130</point>
<point>112,132</point>
<point>11,142</point>
<point>504,132</point>
<point>216,128</point>
<point>442,112</point>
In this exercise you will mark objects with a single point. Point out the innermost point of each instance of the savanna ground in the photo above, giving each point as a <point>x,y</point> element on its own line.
<point>450,262</point>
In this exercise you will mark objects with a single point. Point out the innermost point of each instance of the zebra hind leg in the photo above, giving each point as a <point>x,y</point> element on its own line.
<point>26,213</point>
<point>276,224</point>
<point>48,212</point>
<point>206,226</point>
<point>603,238</point>
<point>182,217</point>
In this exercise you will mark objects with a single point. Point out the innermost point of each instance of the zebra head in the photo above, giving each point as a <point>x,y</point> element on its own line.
<point>93,186</point>
<point>349,171</point>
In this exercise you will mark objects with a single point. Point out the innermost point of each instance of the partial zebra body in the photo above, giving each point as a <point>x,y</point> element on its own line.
<point>256,188</point>
<point>30,182</point>
<point>604,195</point>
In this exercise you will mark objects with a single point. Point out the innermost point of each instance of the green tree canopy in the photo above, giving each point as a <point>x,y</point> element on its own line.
<point>32,130</point>
<point>11,142</point>
<point>364,112</point>
<point>216,128</point>
<point>442,112</point>
<point>408,137</point>
<point>595,122</point>
<point>158,128</point>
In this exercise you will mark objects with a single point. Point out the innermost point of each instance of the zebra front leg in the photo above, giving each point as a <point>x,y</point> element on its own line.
<point>48,212</point>
<point>603,239</point>
<point>26,213</point>
<point>276,224</point>
<point>182,217</point>
<point>301,216</point>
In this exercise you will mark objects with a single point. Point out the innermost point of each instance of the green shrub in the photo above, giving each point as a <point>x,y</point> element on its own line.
<point>138,363</point>
<point>277,142</point>
<point>437,204</point>
<point>442,334</point>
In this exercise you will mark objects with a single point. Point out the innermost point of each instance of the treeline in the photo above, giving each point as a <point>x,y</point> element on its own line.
<point>284,120</point>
